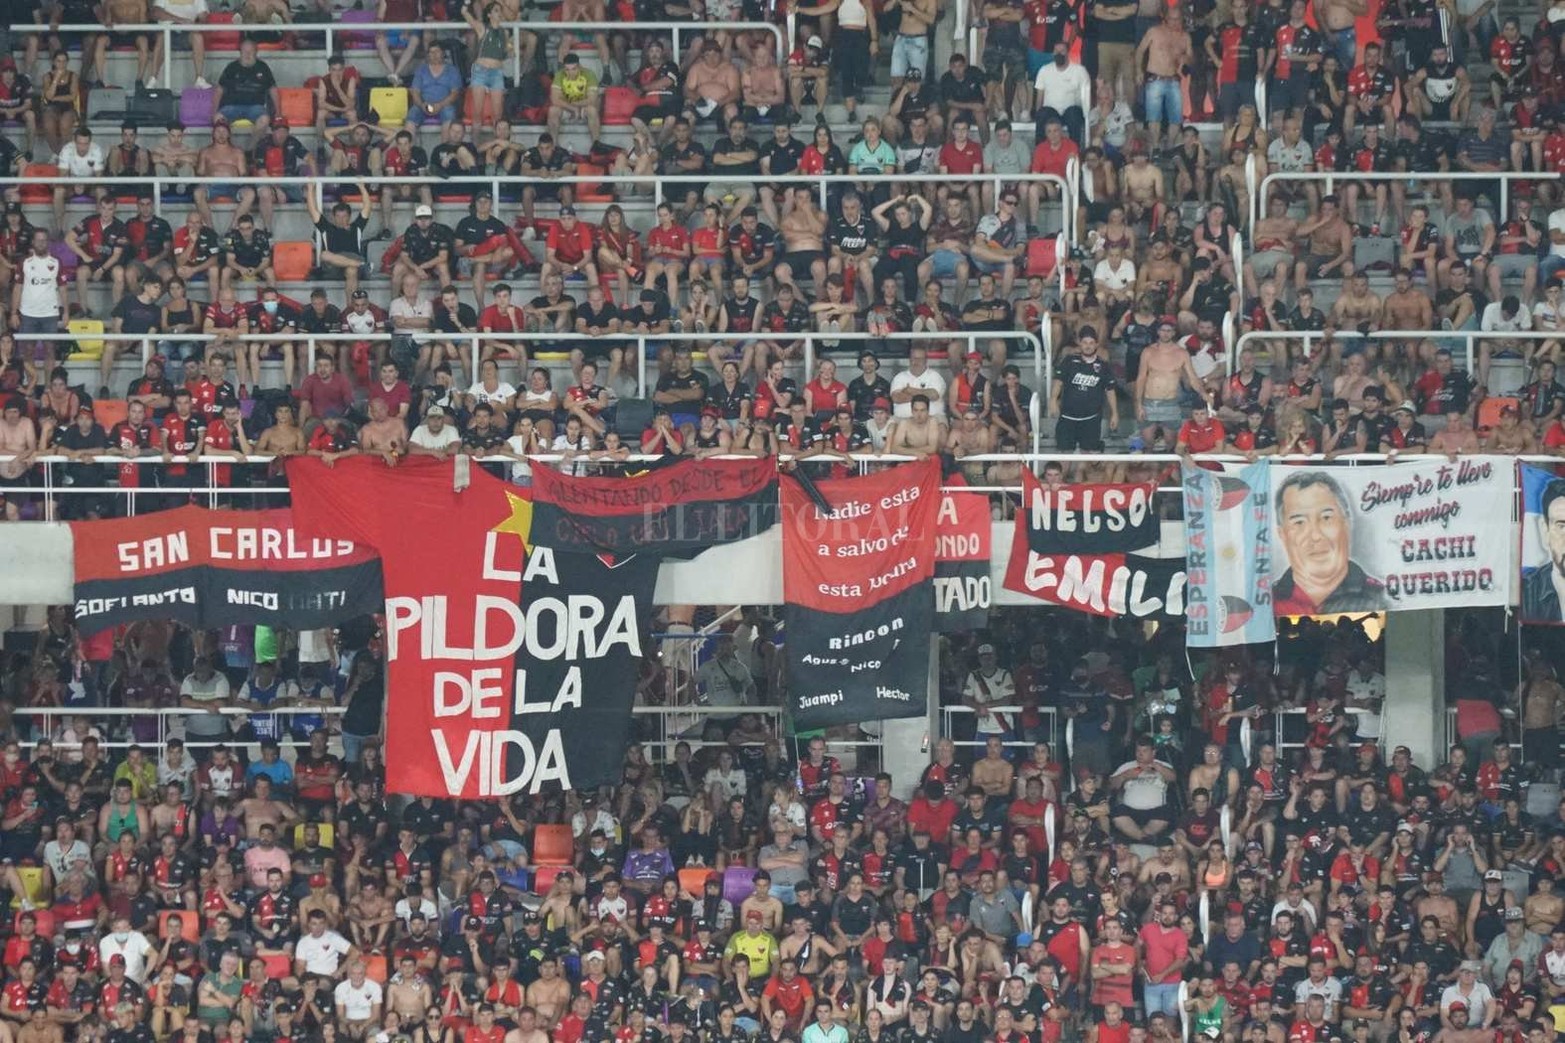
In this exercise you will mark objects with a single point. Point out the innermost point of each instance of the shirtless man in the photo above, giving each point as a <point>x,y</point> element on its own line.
<point>811,951</point>
<point>385,436</point>
<point>1165,366</point>
<point>919,435</point>
<point>550,995</point>
<point>526,1030</point>
<point>370,917</point>
<point>1351,382</point>
<point>40,1029</point>
<point>1357,307</point>
<point>283,438</point>
<point>992,773</point>
<point>1543,908</point>
<point>1167,860</point>
<point>911,48</point>
<point>1457,436</point>
<point>222,158</point>
<point>1160,57</point>
<point>1161,274</point>
<point>1510,435</point>
<point>261,810</point>
<point>1272,256</point>
<point>322,898</point>
<point>174,157</point>
<point>762,900</point>
<point>407,992</point>
<point>712,86</point>
<point>761,86</point>
<point>970,437</point>
<point>124,12</point>
<point>1337,20</point>
<point>1329,250</point>
<point>1406,308</point>
<point>803,231</point>
<point>1142,185</point>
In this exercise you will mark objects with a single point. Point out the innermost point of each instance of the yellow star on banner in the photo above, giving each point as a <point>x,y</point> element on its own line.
<point>520,521</point>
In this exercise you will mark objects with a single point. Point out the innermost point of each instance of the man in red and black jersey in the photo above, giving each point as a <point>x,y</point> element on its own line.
<point>272,315</point>
<point>226,437</point>
<point>103,243</point>
<point>16,238</point>
<point>133,437</point>
<point>279,154</point>
<point>197,249</point>
<point>273,912</point>
<point>212,391</point>
<point>1370,87</point>
<point>151,246</point>
<point>332,439</point>
<point>183,433</point>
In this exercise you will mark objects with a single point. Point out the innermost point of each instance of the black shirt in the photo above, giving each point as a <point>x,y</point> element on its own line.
<point>851,238</point>
<point>339,240</point>
<point>863,393</point>
<point>329,321</point>
<point>249,253</point>
<point>137,316</point>
<point>784,158</point>
<point>424,245</point>
<point>464,319</point>
<point>1084,386</point>
<point>246,84</point>
<point>728,147</point>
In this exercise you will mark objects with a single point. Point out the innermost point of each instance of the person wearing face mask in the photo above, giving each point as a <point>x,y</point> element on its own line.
<point>139,954</point>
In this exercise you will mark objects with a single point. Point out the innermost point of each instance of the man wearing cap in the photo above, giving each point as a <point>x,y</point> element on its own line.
<point>1516,945</point>
<point>427,249</point>
<point>990,685</point>
<point>434,437</point>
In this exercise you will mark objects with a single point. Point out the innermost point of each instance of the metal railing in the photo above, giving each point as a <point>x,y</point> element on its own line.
<point>1043,364</point>
<point>331,31</point>
<point>170,719</point>
<point>1050,717</point>
<point>1468,337</point>
<point>1329,179</point>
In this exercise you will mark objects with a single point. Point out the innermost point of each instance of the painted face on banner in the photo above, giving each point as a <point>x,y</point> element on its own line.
<point>1316,536</point>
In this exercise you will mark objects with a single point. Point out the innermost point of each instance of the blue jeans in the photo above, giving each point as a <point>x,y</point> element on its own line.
<point>1165,101</point>
<point>352,746</point>
<point>1344,43</point>
<point>1163,998</point>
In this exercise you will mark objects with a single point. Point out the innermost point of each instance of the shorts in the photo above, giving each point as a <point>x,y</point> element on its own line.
<point>944,263</point>
<point>801,260</point>
<point>482,77</point>
<point>1264,262</point>
<point>1036,60</point>
<point>1292,93</point>
<point>1165,100</point>
<point>990,267</point>
<point>1313,264</point>
<point>1143,816</point>
<point>445,114</point>
<point>1163,410</point>
<point>235,112</point>
<point>125,41</point>
<point>1439,110</point>
<point>1230,96</point>
<point>1071,435</point>
<point>909,52</point>
<point>1514,264</point>
<point>1004,62</point>
<point>222,190</point>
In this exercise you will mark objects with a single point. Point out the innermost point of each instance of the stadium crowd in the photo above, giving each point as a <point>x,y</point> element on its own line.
<point>232,877</point>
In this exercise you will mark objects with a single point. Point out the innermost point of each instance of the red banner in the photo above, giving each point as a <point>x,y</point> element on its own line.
<point>964,535</point>
<point>859,603</point>
<point>209,568</point>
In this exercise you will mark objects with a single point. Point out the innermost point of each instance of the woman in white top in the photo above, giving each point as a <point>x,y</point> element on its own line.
<point>524,442</point>
<point>490,388</point>
<point>575,443</point>
<point>539,401</point>
<point>787,807</point>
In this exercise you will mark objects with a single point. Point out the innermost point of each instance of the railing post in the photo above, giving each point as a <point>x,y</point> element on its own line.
<point>168,58</point>
<point>1252,188</point>
<point>641,365</point>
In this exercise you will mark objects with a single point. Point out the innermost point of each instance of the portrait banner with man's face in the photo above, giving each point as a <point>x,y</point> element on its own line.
<point>1543,546</point>
<point>1425,534</point>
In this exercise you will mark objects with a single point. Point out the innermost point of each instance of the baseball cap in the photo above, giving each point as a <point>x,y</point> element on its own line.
<point>844,410</point>
<point>424,211</point>
<point>986,650</point>
<point>434,411</point>
<point>1513,913</point>
<point>593,954</point>
<point>1458,1005</point>
<point>881,403</point>
<point>814,41</point>
<point>972,356</point>
<point>753,916</point>
<point>1494,874</point>
<point>1404,827</point>
<point>318,880</point>
<point>280,122</point>
<point>1472,965</point>
<point>567,211</point>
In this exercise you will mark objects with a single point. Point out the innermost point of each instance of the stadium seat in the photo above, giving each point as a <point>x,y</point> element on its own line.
<point>1489,410</point>
<point>32,886</point>
<point>38,193</point>
<point>592,191</point>
<point>110,411</point>
<point>544,878</point>
<point>1042,256</point>
<point>224,40</point>
<point>292,261</point>
<point>278,966</point>
<point>692,880</point>
<point>738,883</point>
<point>553,845</point>
<point>297,106</point>
<point>356,41</point>
<point>88,349</point>
<point>375,968</point>
<point>189,928</point>
<point>195,106</point>
<point>618,104</point>
<point>388,105</point>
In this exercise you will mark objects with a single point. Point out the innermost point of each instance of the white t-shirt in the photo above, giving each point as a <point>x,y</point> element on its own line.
<point>1061,89</point>
<point>73,163</point>
<point>929,382</point>
<point>402,309</point>
<point>323,955</point>
<point>135,948</point>
<point>501,393</point>
<point>1115,278</point>
<point>1144,791</point>
<point>996,689</point>
<point>1494,320</point>
<point>425,438</point>
<point>583,444</point>
<point>1477,1001</point>
<point>357,1003</point>
<point>521,470</point>
<point>1557,224</point>
<point>41,286</point>
<point>187,9</point>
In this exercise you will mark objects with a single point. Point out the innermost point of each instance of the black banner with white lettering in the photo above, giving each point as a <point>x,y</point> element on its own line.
<point>859,601</point>
<point>1087,519</point>
<point>218,568</point>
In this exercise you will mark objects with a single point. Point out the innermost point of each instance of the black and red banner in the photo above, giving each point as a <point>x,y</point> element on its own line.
<point>511,665</point>
<point>217,568</point>
<point>859,601</point>
<point>1087,518</point>
<point>963,539</point>
<point>688,506</point>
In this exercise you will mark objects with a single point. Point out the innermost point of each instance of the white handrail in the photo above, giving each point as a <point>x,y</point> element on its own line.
<point>1252,190</point>
<point>331,30</point>
<point>1469,335</point>
<point>1329,178</point>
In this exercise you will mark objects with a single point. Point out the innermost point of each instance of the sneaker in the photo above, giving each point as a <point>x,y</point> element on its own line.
<point>152,83</point>
<point>201,84</point>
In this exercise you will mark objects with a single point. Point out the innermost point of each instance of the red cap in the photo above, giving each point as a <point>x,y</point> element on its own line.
<point>318,880</point>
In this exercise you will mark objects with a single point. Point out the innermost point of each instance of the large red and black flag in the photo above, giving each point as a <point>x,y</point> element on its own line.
<point>859,599</point>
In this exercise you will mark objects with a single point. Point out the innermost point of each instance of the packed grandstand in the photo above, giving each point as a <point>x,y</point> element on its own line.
<point>599,238</point>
